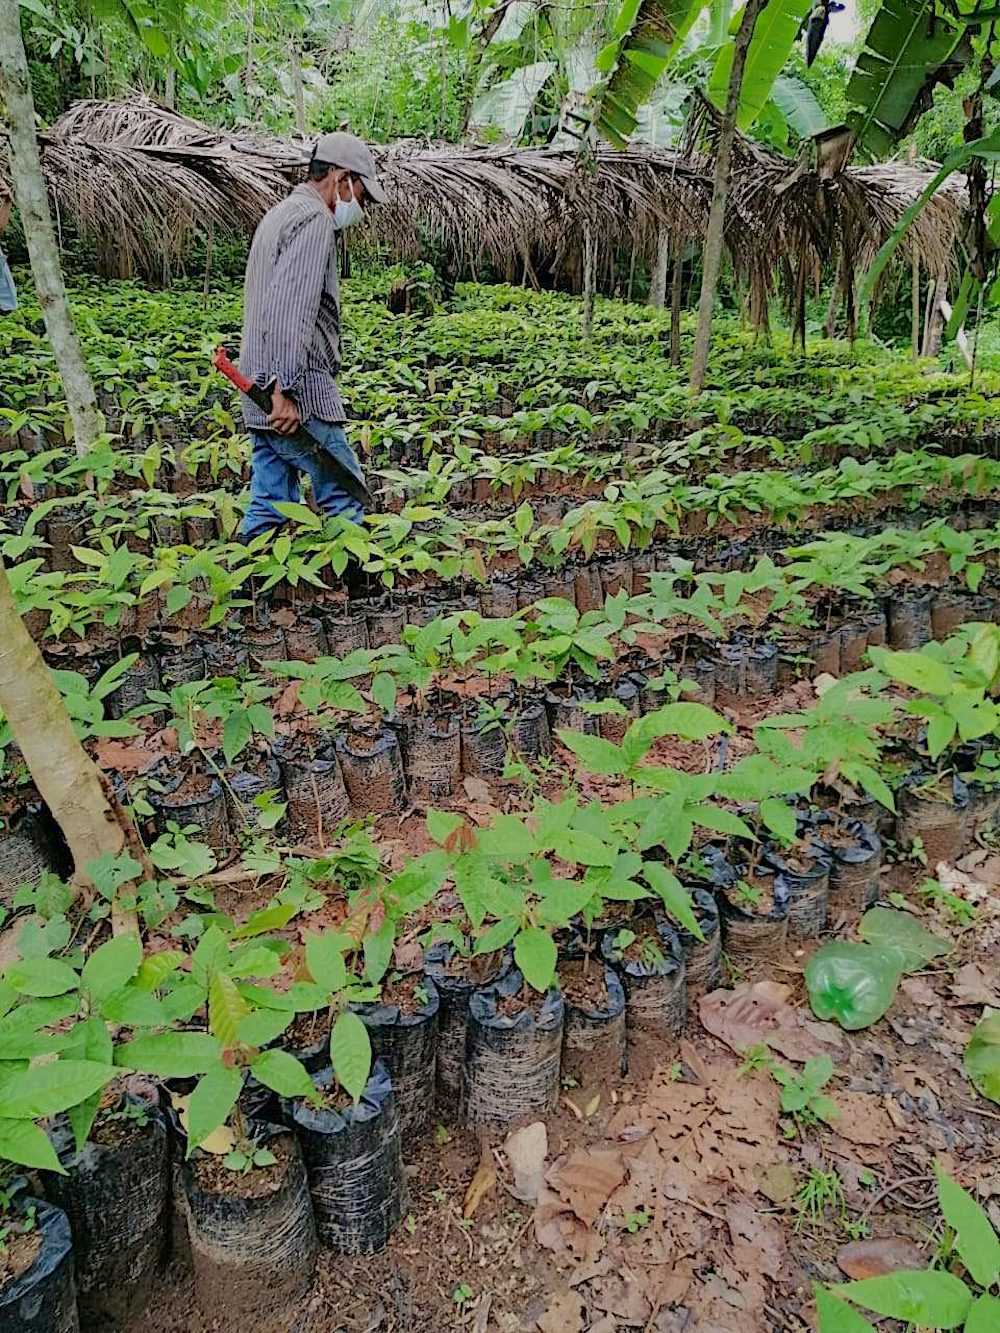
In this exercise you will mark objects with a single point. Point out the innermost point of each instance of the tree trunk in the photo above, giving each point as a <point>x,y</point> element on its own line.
<point>658,278</point>
<point>29,186</point>
<point>712,254</point>
<point>935,317</point>
<point>170,87</point>
<point>248,63</point>
<point>68,780</point>
<point>300,97</point>
<point>676,291</point>
<point>589,278</point>
<point>915,303</point>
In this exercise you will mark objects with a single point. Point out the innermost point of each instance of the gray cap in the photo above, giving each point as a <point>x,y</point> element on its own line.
<point>352,154</point>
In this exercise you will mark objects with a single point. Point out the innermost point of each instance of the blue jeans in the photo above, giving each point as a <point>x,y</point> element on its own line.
<point>276,467</point>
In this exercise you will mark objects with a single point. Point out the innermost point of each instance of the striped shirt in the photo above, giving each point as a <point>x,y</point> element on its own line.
<point>291,308</point>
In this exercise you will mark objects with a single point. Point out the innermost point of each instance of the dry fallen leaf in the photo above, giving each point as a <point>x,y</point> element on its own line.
<point>564,1315</point>
<point>526,1150</point>
<point>875,1258</point>
<point>758,1240</point>
<point>863,1119</point>
<point>480,1185</point>
<point>586,1180</point>
<point>758,1013</point>
<point>972,986</point>
<point>592,1106</point>
<point>477,789</point>
<point>777,1182</point>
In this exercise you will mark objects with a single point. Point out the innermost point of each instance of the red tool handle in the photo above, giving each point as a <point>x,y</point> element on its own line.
<point>253,391</point>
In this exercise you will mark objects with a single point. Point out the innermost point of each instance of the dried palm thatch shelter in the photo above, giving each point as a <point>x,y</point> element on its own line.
<point>142,182</point>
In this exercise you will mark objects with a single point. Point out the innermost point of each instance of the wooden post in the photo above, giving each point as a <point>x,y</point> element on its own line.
<point>676,291</point>
<point>300,98</point>
<point>935,317</point>
<point>712,253</point>
<point>589,278</point>
<point>658,278</point>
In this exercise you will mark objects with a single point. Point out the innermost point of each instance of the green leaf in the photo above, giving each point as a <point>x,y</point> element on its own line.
<point>774,35</point>
<point>673,895</point>
<point>891,929</point>
<point>262,1026</point>
<point>45,1090</point>
<point>722,821</point>
<point>351,1053</point>
<point>984,1317</point>
<point>41,977</point>
<point>982,1057</point>
<point>325,959</point>
<point>23,1142</point>
<point>109,967</point>
<point>441,824</point>
<point>177,598</point>
<point>647,37</point>
<point>597,755</point>
<point>941,731</point>
<point>797,103</point>
<point>927,1297</point>
<point>283,1074</point>
<point>155,969</point>
<point>135,1008</point>
<point>779,818</point>
<point>211,1102</point>
<point>977,1243</point>
<point>835,1316</point>
<point>690,721</point>
<point>226,1009</point>
<point>535,955</point>
<point>498,936</point>
<point>237,733</point>
<point>378,950</point>
<point>170,1054</point>
<point>268,918</point>
<point>908,41</point>
<point>917,670</point>
<point>91,1041</point>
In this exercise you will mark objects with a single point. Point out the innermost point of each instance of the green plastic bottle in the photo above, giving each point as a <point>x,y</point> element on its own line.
<point>852,984</point>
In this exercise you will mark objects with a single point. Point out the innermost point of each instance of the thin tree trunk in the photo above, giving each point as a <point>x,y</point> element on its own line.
<point>248,66</point>
<point>658,278</point>
<point>68,780</point>
<point>443,120</point>
<point>29,186</point>
<point>300,97</point>
<point>589,278</point>
<point>712,254</point>
<point>935,319</point>
<point>915,303</point>
<point>170,86</point>
<point>209,246</point>
<point>676,291</point>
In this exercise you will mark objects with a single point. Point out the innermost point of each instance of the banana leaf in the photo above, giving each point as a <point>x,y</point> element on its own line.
<point>798,104</point>
<point>774,35</point>
<point>907,43</point>
<point>648,33</point>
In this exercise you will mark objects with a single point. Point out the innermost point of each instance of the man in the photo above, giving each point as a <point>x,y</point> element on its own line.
<point>8,292</point>
<point>291,333</point>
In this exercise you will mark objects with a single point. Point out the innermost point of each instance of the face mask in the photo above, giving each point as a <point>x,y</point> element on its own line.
<point>346,213</point>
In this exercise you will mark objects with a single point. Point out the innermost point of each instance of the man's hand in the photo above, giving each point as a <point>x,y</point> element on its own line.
<point>284,418</point>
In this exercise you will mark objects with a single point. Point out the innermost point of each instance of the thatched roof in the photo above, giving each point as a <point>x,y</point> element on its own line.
<point>142,181</point>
